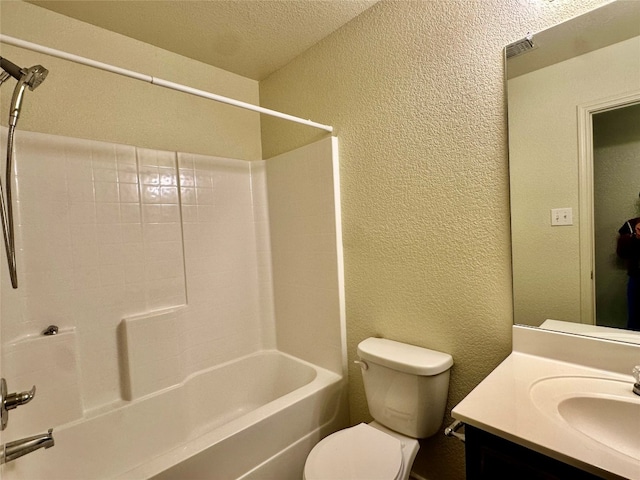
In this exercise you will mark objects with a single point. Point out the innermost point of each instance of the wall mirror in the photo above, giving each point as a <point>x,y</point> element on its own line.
<point>574,157</point>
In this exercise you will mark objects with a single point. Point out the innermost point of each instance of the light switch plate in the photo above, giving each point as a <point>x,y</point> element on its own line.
<point>561,216</point>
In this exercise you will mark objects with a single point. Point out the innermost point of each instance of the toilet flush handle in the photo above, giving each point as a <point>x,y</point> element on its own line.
<point>362,363</point>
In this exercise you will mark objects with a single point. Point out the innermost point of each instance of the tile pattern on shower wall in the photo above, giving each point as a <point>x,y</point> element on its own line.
<point>162,232</point>
<point>107,232</point>
<point>90,251</point>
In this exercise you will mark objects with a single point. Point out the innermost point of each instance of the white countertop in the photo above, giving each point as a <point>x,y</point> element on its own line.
<point>502,403</point>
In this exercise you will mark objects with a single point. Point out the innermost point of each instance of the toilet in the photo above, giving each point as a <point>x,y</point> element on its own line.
<point>406,388</point>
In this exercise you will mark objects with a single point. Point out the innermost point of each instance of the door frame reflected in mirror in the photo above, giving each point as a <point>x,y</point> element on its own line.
<point>588,270</point>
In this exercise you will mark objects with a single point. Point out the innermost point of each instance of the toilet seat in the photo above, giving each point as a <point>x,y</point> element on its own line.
<point>357,453</point>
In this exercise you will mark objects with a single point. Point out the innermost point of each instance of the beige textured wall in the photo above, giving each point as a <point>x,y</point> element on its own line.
<point>82,102</point>
<point>415,91</point>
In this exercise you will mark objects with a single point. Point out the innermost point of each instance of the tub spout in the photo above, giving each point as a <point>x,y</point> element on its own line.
<point>17,449</point>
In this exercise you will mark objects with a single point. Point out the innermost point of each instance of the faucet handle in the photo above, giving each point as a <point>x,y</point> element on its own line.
<point>14,400</point>
<point>11,401</point>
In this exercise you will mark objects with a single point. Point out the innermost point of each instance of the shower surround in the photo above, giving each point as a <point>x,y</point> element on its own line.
<point>158,267</point>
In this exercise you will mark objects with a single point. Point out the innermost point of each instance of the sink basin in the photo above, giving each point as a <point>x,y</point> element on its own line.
<point>613,422</point>
<point>604,409</point>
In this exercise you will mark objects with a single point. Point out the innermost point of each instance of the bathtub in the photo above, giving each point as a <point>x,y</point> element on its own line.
<point>255,417</point>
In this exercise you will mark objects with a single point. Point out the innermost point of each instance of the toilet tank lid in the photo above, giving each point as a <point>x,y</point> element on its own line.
<point>404,357</point>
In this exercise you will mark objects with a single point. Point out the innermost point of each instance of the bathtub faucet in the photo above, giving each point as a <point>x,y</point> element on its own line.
<point>17,449</point>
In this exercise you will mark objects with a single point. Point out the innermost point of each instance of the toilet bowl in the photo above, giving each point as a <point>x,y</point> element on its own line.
<point>406,388</point>
<point>364,452</point>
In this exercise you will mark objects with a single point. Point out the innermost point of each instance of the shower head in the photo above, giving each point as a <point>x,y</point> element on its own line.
<point>30,77</point>
<point>33,76</point>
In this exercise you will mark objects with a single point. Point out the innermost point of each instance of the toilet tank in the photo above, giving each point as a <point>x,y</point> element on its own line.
<point>406,386</point>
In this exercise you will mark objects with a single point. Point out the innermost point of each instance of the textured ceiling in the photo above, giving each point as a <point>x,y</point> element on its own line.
<point>252,38</point>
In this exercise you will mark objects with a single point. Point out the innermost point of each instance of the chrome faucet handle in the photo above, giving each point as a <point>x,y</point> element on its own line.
<point>636,376</point>
<point>14,400</point>
<point>11,401</point>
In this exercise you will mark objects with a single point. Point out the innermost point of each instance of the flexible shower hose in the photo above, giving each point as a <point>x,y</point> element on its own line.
<point>6,213</point>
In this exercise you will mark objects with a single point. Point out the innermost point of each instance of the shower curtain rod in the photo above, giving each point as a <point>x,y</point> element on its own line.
<point>16,42</point>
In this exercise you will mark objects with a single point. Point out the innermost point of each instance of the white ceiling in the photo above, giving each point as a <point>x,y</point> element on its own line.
<point>252,38</point>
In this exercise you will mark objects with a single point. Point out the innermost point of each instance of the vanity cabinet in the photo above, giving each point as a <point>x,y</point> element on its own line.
<point>489,457</point>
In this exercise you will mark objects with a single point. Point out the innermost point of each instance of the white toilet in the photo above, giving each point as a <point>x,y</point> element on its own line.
<point>406,388</point>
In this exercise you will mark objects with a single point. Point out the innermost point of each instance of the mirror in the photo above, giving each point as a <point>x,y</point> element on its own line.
<point>574,158</point>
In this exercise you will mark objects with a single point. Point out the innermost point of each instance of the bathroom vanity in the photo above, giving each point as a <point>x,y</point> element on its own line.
<point>490,456</point>
<point>560,406</point>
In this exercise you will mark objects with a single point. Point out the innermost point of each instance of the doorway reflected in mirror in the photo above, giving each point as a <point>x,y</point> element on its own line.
<point>616,206</point>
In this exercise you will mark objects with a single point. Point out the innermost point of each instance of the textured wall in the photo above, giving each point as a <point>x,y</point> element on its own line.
<point>82,102</point>
<point>415,91</point>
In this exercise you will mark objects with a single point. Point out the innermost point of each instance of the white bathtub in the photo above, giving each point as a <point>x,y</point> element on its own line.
<point>256,417</point>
